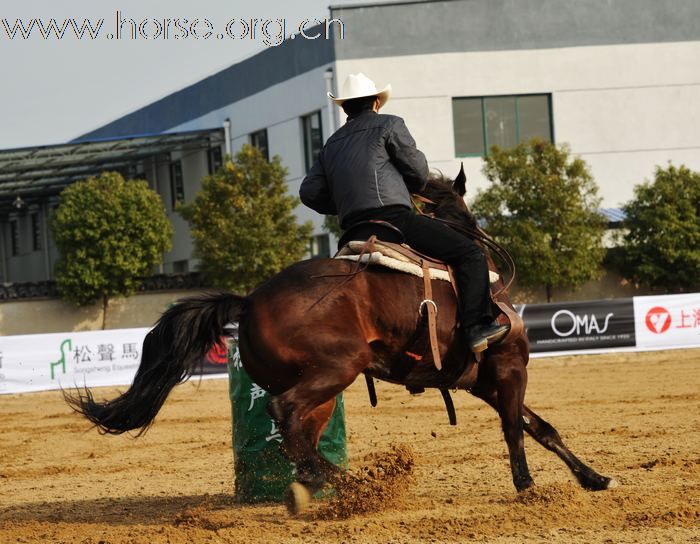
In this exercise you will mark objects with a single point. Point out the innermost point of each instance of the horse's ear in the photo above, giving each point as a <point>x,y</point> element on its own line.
<point>460,182</point>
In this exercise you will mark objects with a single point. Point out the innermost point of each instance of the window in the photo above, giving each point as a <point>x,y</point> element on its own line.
<point>313,137</point>
<point>132,171</point>
<point>14,237</point>
<point>181,267</point>
<point>259,139</point>
<point>36,232</point>
<point>177,186</point>
<point>505,121</point>
<point>214,159</point>
<point>320,246</point>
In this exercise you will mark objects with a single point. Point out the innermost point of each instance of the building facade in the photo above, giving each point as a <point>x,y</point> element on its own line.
<point>616,80</point>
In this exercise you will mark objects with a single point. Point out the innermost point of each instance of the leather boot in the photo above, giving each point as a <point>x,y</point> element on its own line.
<point>479,337</point>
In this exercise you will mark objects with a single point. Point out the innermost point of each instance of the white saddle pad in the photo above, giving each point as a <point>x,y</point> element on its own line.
<point>400,263</point>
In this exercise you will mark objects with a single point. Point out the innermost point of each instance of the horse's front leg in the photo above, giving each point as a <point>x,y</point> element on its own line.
<point>548,437</point>
<point>504,389</point>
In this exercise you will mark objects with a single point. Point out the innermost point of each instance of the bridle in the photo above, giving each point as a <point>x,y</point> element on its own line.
<point>476,234</point>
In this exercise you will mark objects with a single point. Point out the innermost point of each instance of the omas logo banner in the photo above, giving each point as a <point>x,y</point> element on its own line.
<point>587,323</point>
<point>580,325</point>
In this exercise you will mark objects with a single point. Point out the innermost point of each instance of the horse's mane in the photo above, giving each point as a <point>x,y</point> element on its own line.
<point>448,204</point>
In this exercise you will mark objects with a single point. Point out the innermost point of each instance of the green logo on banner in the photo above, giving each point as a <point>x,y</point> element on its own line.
<point>62,361</point>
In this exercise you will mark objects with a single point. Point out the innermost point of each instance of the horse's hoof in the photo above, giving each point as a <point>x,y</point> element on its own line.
<point>297,498</point>
<point>613,483</point>
<point>600,483</point>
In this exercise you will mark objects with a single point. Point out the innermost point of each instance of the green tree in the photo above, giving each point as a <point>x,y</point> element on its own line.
<point>110,233</point>
<point>331,224</point>
<point>541,206</point>
<point>661,248</point>
<point>243,222</point>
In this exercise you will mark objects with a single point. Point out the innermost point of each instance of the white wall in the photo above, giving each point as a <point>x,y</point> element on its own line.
<point>194,169</point>
<point>622,108</point>
<point>279,109</point>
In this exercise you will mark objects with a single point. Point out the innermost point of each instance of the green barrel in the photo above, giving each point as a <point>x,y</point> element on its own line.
<point>262,472</point>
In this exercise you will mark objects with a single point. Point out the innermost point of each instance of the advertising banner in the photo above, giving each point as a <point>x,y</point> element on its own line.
<point>573,326</point>
<point>667,321</point>
<point>40,362</point>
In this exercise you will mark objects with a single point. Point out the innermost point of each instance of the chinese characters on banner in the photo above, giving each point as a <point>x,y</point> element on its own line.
<point>667,321</point>
<point>41,362</point>
<point>256,392</point>
<point>52,361</point>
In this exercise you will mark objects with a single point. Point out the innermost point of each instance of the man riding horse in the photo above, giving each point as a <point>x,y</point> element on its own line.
<point>367,170</point>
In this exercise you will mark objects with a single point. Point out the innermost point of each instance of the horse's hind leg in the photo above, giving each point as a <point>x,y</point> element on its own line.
<point>314,426</point>
<point>313,470</point>
<point>548,436</point>
<point>296,428</point>
<point>503,387</point>
<point>302,413</point>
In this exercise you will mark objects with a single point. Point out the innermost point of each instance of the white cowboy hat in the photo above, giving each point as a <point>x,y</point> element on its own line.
<point>358,86</point>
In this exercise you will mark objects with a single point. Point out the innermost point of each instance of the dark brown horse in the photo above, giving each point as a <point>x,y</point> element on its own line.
<point>308,332</point>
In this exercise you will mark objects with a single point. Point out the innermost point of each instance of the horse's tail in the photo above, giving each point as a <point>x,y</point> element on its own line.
<point>171,352</point>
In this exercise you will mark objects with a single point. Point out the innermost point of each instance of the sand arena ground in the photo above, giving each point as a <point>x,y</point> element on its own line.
<point>635,417</point>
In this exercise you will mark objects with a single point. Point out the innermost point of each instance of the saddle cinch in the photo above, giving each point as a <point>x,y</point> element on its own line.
<point>380,243</point>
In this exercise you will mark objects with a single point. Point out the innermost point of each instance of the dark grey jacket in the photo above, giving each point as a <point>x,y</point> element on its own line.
<point>370,162</point>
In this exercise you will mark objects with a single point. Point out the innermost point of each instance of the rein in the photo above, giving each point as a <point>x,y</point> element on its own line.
<point>360,267</point>
<point>477,234</point>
